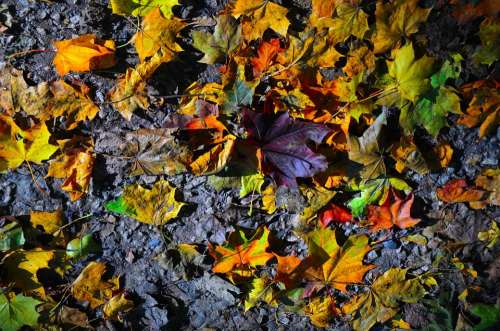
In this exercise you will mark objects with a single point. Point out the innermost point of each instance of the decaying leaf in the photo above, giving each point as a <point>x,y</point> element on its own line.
<point>457,190</point>
<point>116,305</point>
<point>321,311</point>
<point>490,236</point>
<point>84,53</point>
<point>382,301</point>
<point>151,206</point>
<point>89,285</point>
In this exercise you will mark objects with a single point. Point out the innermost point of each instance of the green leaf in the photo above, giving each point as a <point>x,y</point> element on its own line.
<point>489,32</point>
<point>489,314</point>
<point>80,247</point>
<point>251,184</point>
<point>143,7</point>
<point>225,39</point>
<point>448,70</point>
<point>240,93</point>
<point>17,312</point>
<point>11,236</point>
<point>119,206</point>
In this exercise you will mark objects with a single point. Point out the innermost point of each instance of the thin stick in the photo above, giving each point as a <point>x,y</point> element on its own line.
<point>74,221</point>
<point>35,181</point>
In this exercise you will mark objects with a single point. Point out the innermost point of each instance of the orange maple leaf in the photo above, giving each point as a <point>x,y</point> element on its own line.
<point>84,53</point>
<point>265,54</point>
<point>394,212</point>
<point>240,251</point>
<point>457,190</point>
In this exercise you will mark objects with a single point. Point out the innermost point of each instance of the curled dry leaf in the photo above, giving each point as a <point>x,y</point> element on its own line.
<point>154,206</point>
<point>457,190</point>
<point>394,212</point>
<point>334,213</point>
<point>116,305</point>
<point>84,53</point>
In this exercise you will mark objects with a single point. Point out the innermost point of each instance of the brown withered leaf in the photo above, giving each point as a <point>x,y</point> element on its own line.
<point>457,190</point>
<point>394,212</point>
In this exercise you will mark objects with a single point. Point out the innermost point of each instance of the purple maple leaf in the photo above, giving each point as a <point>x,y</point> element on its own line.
<point>282,140</point>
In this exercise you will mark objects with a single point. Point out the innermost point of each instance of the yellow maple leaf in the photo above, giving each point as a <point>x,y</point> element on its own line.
<point>89,285</point>
<point>18,146</point>
<point>50,221</point>
<point>74,166</point>
<point>269,16</point>
<point>151,206</point>
<point>321,311</point>
<point>244,7</point>
<point>261,290</point>
<point>116,305</point>
<point>215,159</point>
<point>84,53</point>
<point>157,32</point>
<point>394,20</point>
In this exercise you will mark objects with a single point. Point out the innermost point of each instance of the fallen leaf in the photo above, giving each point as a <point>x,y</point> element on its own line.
<point>117,305</point>
<point>251,184</point>
<point>261,291</point>
<point>269,199</point>
<point>238,93</point>
<point>321,311</point>
<point>215,159</point>
<point>50,222</point>
<point>18,146</point>
<point>489,180</point>
<point>75,166</point>
<point>382,302</point>
<point>490,236</point>
<point>349,19</point>
<point>17,311</point>
<point>89,285</point>
<point>489,315</point>
<point>360,60</point>
<point>154,206</point>
<point>489,33</point>
<point>81,247</point>
<point>394,212</point>
<point>464,12</point>
<point>84,53</point>
<point>241,251</point>
<point>268,16</point>
<point>444,152</point>
<point>11,236</point>
<point>334,213</point>
<point>396,20</point>
<point>73,316</point>
<point>282,145</point>
<point>266,53</point>
<point>286,270</point>
<point>457,190</point>
<point>143,7</point>
<point>317,197</point>
<point>225,40</point>
<point>157,32</point>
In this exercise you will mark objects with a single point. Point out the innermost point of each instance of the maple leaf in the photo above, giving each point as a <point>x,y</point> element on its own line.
<point>349,20</point>
<point>89,285</point>
<point>151,206</point>
<point>366,149</point>
<point>457,190</point>
<point>157,32</point>
<point>321,311</point>
<point>317,197</point>
<point>373,191</point>
<point>383,300</point>
<point>72,102</point>
<point>75,166</point>
<point>238,93</point>
<point>408,155</point>
<point>282,145</point>
<point>394,212</point>
<point>396,20</point>
<point>225,40</point>
<point>18,146</point>
<point>287,270</point>
<point>359,60</point>
<point>143,7</point>
<point>490,236</point>
<point>262,290</point>
<point>251,184</point>
<point>215,159</point>
<point>464,12</point>
<point>50,222</point>
<point>334,213</point>
<point>334,265</point>
<point>84,53</point>
<point>241,252</point>
<point>266,53</point>
<point>116,305</point>
<point>17,311</point>
<point>409,77</point>
<point>268,16</point>
<point>489,180</point>
<point>483,107</point>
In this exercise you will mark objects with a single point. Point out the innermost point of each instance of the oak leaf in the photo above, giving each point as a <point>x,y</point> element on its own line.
<point>157,32</point>
<point>382,302</point>
<point>154,206</point>
<point>282,146</point>
<point>396,20</point>
<point>18,146</point>
<point>84,53</point>
<point>89,285</point>
<point>75,166</point>
<point>394,212</point>
<point>225,39</point>
<point>240,251</point>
